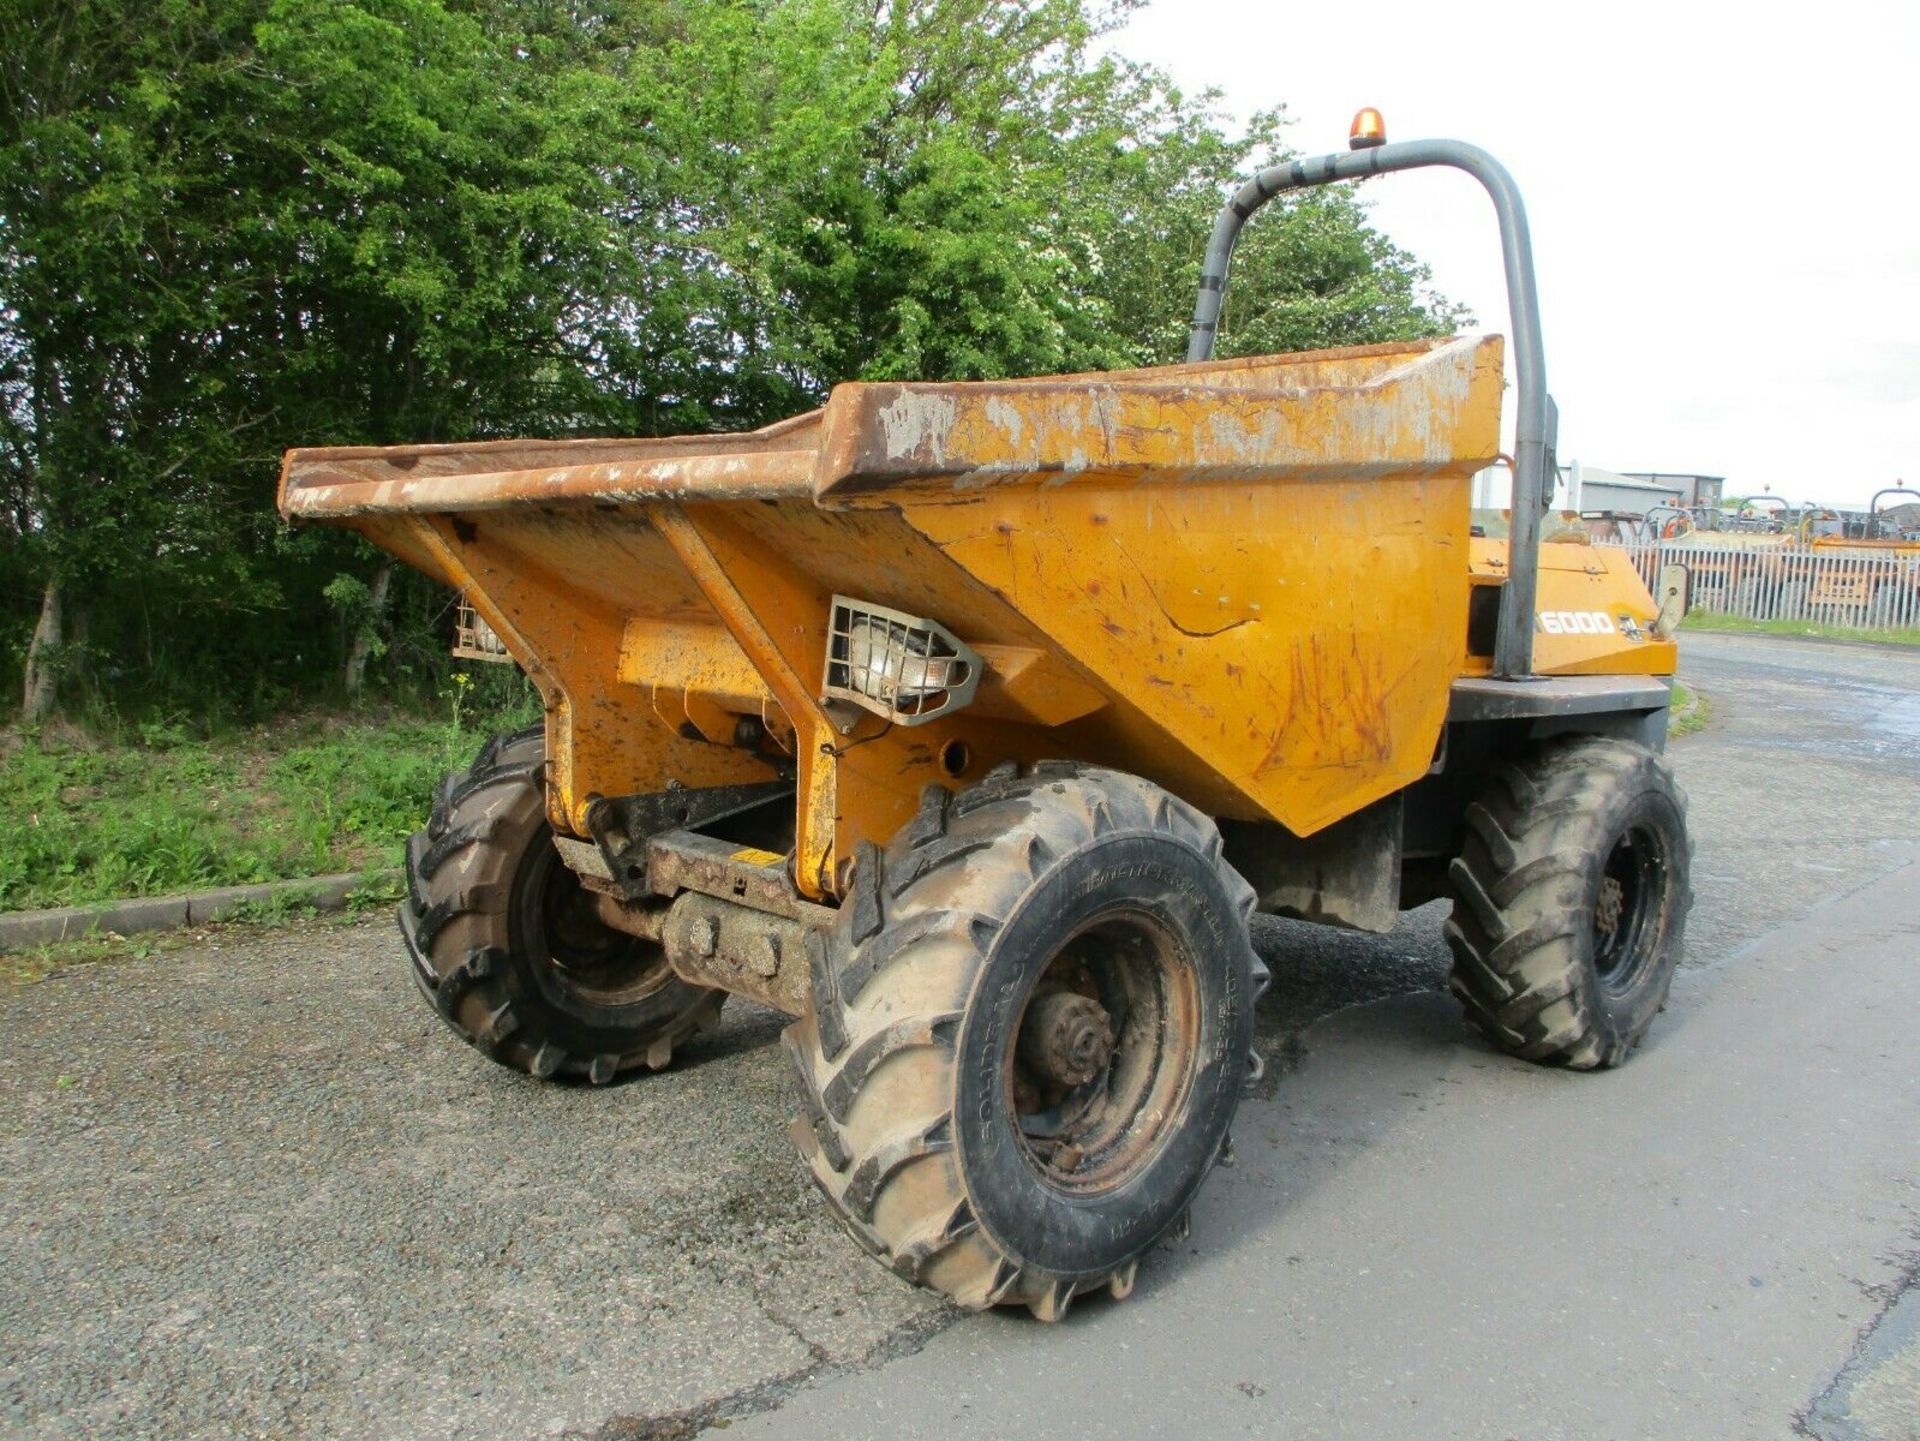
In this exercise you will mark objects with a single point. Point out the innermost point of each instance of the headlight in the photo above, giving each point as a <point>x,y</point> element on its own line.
<point>904,667</point>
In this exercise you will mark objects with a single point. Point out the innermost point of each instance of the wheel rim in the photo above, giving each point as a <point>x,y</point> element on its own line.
<point>1626,910</point>
<point>1105,1054</point>
<point>556,924</point>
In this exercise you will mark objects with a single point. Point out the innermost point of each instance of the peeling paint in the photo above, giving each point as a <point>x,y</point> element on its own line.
<point>916,424</point>
<point>1010,418</point>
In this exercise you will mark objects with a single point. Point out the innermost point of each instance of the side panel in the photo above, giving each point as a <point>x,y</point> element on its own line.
<point>771,572</point>
<point>1301,637</point>
<point>1592,612</point>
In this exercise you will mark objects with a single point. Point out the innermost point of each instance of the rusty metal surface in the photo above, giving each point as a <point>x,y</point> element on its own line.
<point>734,921</point>
<point>753,476</point>
<point>1415,413</point>
<point>586,860</point>
<point>747,952</point>
<point>1247,419</point>
<point>1094,1092</point>
<point>339,481</point>
<point>1065,1039</point>
<point>623,826</point>
<point>686,861</point>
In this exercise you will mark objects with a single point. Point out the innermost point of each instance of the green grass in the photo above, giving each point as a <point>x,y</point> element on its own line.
<point>1689,712</point>
<point>1707,620</point>
<point>162,811</point>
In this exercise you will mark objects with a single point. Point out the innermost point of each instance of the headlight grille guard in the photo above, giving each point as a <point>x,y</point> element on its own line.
<point>904,667</point>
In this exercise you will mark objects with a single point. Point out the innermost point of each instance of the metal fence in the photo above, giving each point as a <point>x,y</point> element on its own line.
<point>1828,587</point>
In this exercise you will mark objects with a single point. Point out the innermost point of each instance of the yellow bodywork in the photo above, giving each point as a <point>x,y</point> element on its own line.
<point>1247,581</point>
<point>1887,548</point>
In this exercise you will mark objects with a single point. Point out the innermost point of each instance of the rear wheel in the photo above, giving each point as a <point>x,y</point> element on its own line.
<point>1032,1024</point>
<point>510,948</point>
<point>1570,899</point>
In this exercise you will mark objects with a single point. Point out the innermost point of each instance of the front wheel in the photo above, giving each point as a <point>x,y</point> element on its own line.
<point>1570,900</point>
<point>508,945</point>
<point>1029,1035</point>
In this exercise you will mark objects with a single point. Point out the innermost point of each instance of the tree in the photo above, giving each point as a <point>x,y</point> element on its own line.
<point>966,189</point>
<point>227,226</point>
<point>230,224</point>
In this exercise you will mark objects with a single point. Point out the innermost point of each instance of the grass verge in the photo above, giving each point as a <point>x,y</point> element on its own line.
<point>161,811</point>
<point>1689,712</point>
<point>1707,620</point>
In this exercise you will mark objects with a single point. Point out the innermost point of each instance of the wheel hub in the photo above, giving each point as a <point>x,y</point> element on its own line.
<point>558,924</point>
<point>1066,1039</point>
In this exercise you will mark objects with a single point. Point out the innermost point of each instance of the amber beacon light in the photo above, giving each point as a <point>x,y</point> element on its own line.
<point>1368,130</point>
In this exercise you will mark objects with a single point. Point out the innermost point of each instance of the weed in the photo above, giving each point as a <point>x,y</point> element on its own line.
<point>375,890</point>
<point>294,903</point>
<point>21,968</point>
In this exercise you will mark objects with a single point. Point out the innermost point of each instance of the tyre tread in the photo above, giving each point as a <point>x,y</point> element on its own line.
<point>930,905</point>
<point>1517,884</point>
<point>459,876</point>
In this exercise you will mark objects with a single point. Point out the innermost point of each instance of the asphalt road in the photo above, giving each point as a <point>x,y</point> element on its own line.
<point>250,1188</point>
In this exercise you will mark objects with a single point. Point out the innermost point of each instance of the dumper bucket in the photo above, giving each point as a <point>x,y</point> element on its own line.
<point>1244,580</point>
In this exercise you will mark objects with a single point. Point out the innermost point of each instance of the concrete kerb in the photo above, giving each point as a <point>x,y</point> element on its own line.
<point>165,913</point>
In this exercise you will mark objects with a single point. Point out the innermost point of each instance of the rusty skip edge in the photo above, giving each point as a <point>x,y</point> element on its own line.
<point>314,487</point>
<point>872,437</point>
<point>1298,425</point>
<point>330,481</point>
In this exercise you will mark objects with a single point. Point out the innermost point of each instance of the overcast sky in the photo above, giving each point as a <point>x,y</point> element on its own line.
<point>1723,200</point>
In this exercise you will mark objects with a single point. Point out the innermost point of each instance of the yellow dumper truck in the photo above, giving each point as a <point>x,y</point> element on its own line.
<point>969,725</point>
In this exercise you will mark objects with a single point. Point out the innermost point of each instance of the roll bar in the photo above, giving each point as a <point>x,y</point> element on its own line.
<point>1534,471</point>
<point>1658,525</point>
<point>1873,506</point>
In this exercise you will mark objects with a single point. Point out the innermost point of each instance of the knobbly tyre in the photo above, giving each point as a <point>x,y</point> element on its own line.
<point>968,725</point>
